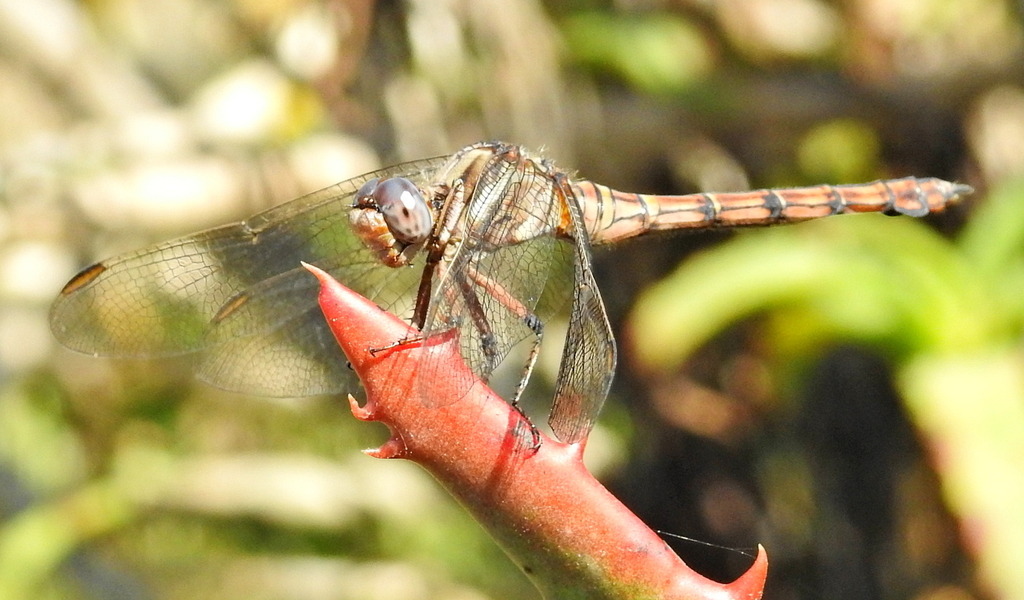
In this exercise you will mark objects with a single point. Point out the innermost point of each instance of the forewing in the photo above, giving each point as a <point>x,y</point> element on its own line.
<point>299,358</point>
<point>588,359</point>
<point>236,293</point>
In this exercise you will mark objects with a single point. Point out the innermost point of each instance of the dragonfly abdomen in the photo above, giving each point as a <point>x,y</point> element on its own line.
<point>611,215</point>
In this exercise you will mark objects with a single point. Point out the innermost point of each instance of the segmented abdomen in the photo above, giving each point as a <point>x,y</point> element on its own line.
<point>611,215</point>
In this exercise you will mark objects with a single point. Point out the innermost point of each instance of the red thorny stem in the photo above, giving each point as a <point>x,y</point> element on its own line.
<point>570,536</point>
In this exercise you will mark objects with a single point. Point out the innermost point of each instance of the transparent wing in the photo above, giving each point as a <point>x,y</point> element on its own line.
<point>588,359</point>
<point>237,294</point>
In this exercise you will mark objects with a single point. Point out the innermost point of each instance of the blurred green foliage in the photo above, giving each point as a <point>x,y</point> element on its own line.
<point>655,54</point>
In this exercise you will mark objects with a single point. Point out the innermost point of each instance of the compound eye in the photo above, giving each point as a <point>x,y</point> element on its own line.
<point>365,192</point>
<point>405,211</point>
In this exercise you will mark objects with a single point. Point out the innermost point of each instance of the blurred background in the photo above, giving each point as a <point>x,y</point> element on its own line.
<point>849,393</point>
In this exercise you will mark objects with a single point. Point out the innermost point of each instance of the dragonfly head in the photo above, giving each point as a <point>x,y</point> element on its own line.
<point>403,207</point>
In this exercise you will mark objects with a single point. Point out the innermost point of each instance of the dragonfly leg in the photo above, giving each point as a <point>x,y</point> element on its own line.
<point>488,343</point>
<point>406,341</point>
<point>531,320</point>
<point>537,326</point>
<point>468,285</point>
<point>436,246</point>
<point>489,346</point>
<point>534,432</point>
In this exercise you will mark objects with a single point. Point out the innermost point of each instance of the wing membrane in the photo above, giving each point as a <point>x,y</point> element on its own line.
<point>219,290</point>
<point>588,359</point>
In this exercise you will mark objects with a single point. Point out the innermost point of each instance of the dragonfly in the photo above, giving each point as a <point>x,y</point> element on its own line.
<point>491,241</point>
